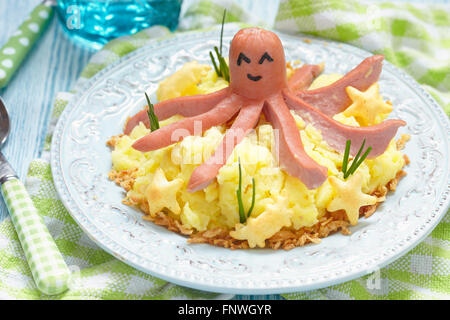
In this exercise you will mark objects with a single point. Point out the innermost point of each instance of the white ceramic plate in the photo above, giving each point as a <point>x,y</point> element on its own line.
<point>80,162</point>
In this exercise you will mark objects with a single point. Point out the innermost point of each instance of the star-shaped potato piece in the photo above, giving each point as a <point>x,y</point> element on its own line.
<point>162,193</point>
<point>367,105</point>
<point>257,230</point>
<point>349,197</point>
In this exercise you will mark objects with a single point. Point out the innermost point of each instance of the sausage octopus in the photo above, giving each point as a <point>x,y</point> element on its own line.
<point>259,85</point>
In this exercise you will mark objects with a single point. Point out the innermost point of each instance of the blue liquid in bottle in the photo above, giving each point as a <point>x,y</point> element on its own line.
<point>95,22</point>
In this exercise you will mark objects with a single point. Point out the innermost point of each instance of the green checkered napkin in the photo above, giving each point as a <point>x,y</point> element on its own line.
<point>413,37</point>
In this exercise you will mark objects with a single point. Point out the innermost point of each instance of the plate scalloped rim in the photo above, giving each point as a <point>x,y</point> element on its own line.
<point>241,286</point>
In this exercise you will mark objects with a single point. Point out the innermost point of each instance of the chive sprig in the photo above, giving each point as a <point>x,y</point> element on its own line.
<point>242,215</point>
<point>220,66</point>
<point>357,161</point>
<point>154,123</point>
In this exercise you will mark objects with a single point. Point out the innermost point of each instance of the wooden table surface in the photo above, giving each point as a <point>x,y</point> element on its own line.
<point>53,65</point>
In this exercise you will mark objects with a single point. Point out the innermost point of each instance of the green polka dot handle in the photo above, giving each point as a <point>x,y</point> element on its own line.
<point>17,47</point>
<point>47,265</point>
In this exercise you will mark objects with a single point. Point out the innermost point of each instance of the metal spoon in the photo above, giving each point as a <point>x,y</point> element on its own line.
<point>47,265</point>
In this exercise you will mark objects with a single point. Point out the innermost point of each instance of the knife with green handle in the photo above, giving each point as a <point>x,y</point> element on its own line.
<point>17,47</point>
<point>49,270</point>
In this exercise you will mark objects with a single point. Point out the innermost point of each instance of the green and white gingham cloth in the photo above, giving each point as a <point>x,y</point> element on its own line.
<point>412,36</point>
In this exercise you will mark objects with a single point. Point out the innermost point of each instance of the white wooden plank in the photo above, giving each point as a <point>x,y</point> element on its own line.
<point>53,65</point>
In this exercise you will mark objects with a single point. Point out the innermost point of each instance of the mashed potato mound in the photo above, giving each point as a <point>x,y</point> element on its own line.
<point>286,213</point>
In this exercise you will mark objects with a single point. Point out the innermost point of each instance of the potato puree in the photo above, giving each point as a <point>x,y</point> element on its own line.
<point>282,201</point>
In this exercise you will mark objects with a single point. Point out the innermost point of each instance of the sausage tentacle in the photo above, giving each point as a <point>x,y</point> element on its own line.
<point>336,134</point>
<point>175,132</point>
<point>304,76</point>
<point>333,99</point>
<point>187,106</point>
<point>291,155</point>
<point>246,120</point>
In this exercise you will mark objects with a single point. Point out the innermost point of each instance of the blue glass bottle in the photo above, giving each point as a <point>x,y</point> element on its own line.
<point>95,22</point>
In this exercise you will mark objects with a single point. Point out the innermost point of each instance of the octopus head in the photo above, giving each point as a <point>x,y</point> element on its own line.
<point>257,63</point>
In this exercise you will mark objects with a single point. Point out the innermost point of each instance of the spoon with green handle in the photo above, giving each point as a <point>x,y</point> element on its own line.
<point>47,265</point>
<point>17,47</point>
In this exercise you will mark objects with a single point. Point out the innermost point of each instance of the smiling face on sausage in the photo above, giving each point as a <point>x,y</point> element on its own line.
<point>257,63</point>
